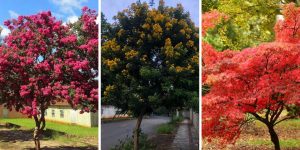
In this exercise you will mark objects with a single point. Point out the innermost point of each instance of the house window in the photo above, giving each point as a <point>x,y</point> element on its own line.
<point>62,114</point>
<point>53,113</point>
<point>46,113</point>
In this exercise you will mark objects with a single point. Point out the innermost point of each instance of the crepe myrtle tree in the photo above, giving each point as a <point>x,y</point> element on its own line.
<point>151,61</point>
<point>259,81</point>
<point>43,61</point>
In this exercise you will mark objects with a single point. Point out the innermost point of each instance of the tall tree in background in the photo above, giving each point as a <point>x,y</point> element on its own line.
<point>151,61</point>
<point>44,62</point>
<point>250,22</point>
<point>260,81</point>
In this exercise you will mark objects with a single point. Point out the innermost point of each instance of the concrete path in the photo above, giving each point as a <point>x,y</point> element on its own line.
<point>182,140</point>
<point>112,132</point>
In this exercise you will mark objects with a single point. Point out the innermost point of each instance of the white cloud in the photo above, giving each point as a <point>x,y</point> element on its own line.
<point>69,6</point>
<point>13,14</point>
<point>4,32</point>
<point>72,19</point>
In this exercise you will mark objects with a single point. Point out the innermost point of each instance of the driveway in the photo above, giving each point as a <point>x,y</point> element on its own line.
<point>112,132</point>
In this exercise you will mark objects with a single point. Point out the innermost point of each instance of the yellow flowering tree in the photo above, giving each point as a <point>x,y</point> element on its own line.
<point>249,22</point>
<point>150,61</point>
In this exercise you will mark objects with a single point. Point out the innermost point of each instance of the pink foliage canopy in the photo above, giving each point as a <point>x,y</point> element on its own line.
<point>43,61</point>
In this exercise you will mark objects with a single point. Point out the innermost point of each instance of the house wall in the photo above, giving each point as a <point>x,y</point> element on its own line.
<point>5,113</point>
<point>65,114</point>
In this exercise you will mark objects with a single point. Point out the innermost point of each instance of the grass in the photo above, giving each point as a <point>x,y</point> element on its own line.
<point>107,120</point>
<point>285,143</point>
<point>166,128</point>
<point>65,128</point>
<point>287,131</point>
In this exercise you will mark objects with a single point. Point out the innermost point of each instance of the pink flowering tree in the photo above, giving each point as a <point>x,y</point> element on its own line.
<point>43,61</point>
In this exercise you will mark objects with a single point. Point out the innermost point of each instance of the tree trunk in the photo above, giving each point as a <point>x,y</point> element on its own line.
<point>39,127</point>
<point>36,133</point>
<point>274,137</point>
<point>137,131</point>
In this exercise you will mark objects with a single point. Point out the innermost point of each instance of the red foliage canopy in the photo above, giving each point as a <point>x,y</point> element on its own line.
<point>261,80</point>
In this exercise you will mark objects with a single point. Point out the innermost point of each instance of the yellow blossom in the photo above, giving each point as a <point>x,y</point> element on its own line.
<point>112,64</point>
<point>179,69</point>
<point>195,59</point>
<point>157,31</point>
<point>111,46</point>
<point>108,89</point>
<point>131,54</point>
<point>158,18</point>
<point>182,31</point>
<point>169,51</point>
<point>146,26</point>
<point>190,43</point>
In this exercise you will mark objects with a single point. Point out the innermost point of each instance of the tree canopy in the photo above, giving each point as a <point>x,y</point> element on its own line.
<point>44,62</point>
<point>150,60</point>
<point>261,81</point>
<point>249,23</point>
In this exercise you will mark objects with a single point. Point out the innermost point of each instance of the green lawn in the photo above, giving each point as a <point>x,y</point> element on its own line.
<point>288,132</point>
<point>284,143</point>
<point>68,129</point>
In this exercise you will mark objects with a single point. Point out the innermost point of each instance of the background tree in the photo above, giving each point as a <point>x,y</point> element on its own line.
<point>44,62</point>
<point>260,81</point>
<point>151,61</point>
<point>250,22</point>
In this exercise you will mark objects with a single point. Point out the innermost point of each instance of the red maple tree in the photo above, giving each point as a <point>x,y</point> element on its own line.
<point>43,61</point>
<point>258,82</point>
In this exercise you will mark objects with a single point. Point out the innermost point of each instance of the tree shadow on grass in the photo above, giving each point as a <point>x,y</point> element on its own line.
<point>13,134</point>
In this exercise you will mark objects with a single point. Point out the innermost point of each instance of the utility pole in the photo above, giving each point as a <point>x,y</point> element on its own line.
<point>151,3</point>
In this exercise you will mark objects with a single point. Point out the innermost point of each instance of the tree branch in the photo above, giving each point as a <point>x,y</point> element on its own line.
<point>286,118</point>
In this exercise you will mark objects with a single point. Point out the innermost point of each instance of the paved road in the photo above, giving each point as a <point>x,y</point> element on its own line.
<point>112,132</point>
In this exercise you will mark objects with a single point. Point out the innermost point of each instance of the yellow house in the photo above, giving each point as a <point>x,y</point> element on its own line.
<point>61,112</point>
<point>65,114</point>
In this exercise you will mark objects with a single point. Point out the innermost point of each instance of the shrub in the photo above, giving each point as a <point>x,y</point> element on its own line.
<point>167,128</point>
<point>127,144</point>
<point>176,119</point>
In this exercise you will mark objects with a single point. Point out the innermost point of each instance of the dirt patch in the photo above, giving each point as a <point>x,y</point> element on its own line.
<point>256,137</point>
<point>21,139</point>
<point>164,141</point>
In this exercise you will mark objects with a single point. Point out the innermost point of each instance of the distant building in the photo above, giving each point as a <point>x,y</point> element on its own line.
<point>62,112</point>
<point>108,111</point>
<point>5,113</point>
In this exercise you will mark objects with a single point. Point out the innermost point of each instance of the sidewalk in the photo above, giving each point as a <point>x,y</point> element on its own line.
<point>184,138</point>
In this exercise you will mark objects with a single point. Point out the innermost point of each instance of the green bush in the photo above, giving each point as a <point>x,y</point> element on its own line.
<point>127,144</point>
<point>176,119</point>
<point>165,128</point>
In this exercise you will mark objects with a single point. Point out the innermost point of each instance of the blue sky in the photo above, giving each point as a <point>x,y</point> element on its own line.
<point>66,10</point>
<point>111,7</point>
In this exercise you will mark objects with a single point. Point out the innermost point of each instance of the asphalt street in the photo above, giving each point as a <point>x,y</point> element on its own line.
<point>112,132</point>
